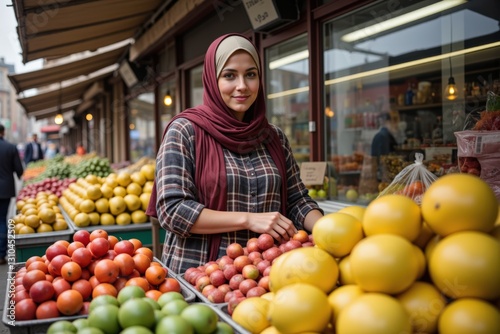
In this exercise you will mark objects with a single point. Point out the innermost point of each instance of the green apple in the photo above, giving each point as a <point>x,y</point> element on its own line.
<point>322,193</point>
<point>313,193</point>
<point>352,195</point>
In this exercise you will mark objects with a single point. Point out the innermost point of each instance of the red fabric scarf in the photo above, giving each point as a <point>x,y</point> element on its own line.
<point>216,128</point>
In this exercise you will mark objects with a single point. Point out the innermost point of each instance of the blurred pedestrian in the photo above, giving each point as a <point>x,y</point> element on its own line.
<point>51,150</point>
<point>33,150</point>
<point>9,164</point>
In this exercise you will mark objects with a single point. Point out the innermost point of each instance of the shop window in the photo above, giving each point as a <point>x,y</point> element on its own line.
<point>195,86</point>
<point>167,102</point>
<point>142,127</point>
<point>287,85</point>
<point>390,62</point>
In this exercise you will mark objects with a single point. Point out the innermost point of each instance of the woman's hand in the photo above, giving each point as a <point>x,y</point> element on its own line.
<point>273,223</point>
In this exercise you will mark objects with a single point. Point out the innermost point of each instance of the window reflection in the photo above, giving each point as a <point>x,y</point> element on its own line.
<point>142,127</point>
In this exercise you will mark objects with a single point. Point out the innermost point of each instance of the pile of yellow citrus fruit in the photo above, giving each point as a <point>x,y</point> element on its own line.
<point>118,199</point>
<point>391,267</point>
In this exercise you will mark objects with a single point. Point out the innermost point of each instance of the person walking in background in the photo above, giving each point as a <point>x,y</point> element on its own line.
<point>9,164</point>
<point>224,174</point>
<point>51,150</point>
<point>33,150</point>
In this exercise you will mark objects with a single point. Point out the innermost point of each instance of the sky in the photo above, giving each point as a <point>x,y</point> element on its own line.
<point>10,49</point>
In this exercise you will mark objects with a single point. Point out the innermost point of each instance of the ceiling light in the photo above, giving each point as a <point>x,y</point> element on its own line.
<point>89,117</point>
<point>167,100</point>
<point>59,119</point>
<point>401,20</point>
<point>289,59</point>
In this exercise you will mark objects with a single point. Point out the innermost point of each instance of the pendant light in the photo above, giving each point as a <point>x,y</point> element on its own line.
<point>167,100</point>
<point>451,89</point>
<point>59,119</point>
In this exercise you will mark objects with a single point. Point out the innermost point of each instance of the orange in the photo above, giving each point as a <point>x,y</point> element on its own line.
<point>139,281</point>
<point>146,251</point>
<point>301,236</point>
<point>69,302</point>
<point>153,294</point>
<point>169,284</point>
<point>137,243</point>
<point>155,275</point>
<point>106,271</point>
<point>104,289</point>
<point>71,271</point>
<point>142,262</point>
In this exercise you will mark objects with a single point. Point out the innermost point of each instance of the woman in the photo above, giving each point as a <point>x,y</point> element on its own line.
<point>223,173</point>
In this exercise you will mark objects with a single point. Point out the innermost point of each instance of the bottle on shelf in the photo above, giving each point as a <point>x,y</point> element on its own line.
<point>409,96</point>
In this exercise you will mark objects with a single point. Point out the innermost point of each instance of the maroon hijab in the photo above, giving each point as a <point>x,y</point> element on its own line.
<point>216,128</point>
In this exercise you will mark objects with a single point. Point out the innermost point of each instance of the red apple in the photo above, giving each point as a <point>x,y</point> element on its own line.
<point>234,250</point>
<point>217,278</point>
<point>83,236</point>
<point>215,296</point>
<point>41,291</point>
<point>265,241</point>
<point>246,285</point>
<point>202,282</point>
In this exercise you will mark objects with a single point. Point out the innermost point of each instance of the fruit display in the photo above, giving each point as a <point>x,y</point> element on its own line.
<point>94,265</point>
<point>94,166</point>
<point>134,313</point>
<point>402,268</point>
<point>319,192</point>
<point>243,272</point>
<point>38,214</point>
<point>52,185</point>
<point>118,199</point>
<point>134,167</point>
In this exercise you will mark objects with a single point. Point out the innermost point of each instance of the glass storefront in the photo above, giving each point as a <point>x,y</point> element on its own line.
<point>389,64</point>
<point>142,126</point>
<point>287,85</point>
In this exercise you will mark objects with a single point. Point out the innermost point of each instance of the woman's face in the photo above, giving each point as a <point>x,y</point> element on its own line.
<point>239,83</point>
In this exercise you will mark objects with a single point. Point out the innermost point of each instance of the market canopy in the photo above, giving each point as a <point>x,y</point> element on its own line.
<point>55,74</point>
<point>55,28</point>
<point>50,103</point>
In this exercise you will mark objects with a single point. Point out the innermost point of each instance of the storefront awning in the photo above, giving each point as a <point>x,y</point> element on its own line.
<point>55,28</point>
<point>50,128</point>
<point>55,74</point>
<point>49,103</point>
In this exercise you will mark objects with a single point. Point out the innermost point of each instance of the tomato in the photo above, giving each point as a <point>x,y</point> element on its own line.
<point>459,202</point>
<point>373,313</point>
<point>385,263</point>
<point>469,315</point>
<point>467,264</point>
<point>394,214</point>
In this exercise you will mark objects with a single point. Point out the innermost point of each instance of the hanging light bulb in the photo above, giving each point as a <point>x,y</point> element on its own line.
<point>167,100</point>
<point>59,119</point>
<point>89,117</point>
<point>451,89</point>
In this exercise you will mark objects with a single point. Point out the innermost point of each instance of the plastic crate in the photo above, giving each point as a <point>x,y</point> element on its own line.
<point>199,296</point>
<point>26,326</point>
<point>224,316</point>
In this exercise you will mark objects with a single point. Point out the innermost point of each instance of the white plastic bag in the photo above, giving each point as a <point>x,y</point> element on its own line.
<point>412,181</point>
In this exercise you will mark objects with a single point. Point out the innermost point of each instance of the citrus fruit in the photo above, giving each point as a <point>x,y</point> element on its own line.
<point>202,318</point>
<point>174,324</point>
<point>459,202</point>
<point>251,314</point>
<point>394,214</point>
<point>87,206</point>
<point>337,233</point>
<point>299,308</point>
<point>148,171</point>
<point>123,179</point>
<point>469,315</point>
<point>132,201</point>
<point>342,296</point>
<point>137,330</point>
<point>345,273</point>
<point>134,189</point>
<point>47,216</point>
<point>32,221</point>
<point>466,264</point>
<point>306,265</point>
<point>355,211</point>
<point>123,218</point>
<point>82,219</point>
<point>374,313</point>
<point>138,178</point>
<point>103,300</point>
<point>117,205</point>
<point>102,205</point>
<point>424,303</point>
<point>107,219</point>
<point>139,217</point>
<point>105,317</point>
<point>384,263</point>
<point>136,312</point>
<point>174,307</point>
<point>94,192</point>
<point>169,296</point>
<point>61,326</point>
<point>129,292</point>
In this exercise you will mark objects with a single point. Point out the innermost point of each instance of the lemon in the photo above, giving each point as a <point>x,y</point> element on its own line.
<point>32,221</point>
<point>107,219</point>
<point>251,314</point>
<point>342,296</point>
<point>111,182</point>
<point>123,219</point>
<point>87,206</point>
<point>424,303</point>
<point>148,187</point>
<point>134,189</point>
<point>467,264</point>
<point>459,202</point>
<point>337,233</point>
<point>394,214</point>
<point>82,219</point>
<point>102,205</point>
<point>60,225</point>
<point>354,210</point>
<point>299,308</point>
<point>123,179</point>
<point>132,201</point>
<point>305,265</point>
<point>94,192</point>
<point>117,205</point>
<point>374,313</point>
<point>138,178</point>
<point>92,179</point>
<point>345,273</point>
<point>145,197</point>
<point>468,315</point>
<point>44,228</point>
<point>95,218</point>
<point>148,171</point>
<point>107,191</point>
<point>384,263</point>
<point>26,230</point>
<point>139,217</point>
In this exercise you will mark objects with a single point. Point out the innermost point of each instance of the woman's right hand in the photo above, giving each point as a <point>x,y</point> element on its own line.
<point>274,223</point>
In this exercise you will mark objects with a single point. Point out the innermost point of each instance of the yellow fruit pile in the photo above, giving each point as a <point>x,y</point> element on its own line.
<point>396,268</point>
<point>120,198</point>
<point>39,214</point>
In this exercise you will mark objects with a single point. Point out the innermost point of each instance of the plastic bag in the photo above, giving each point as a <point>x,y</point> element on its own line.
<point>412,181</point>
<point>485,119</point>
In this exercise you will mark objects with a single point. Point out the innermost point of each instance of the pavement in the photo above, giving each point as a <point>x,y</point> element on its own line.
<point>5,270</point>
